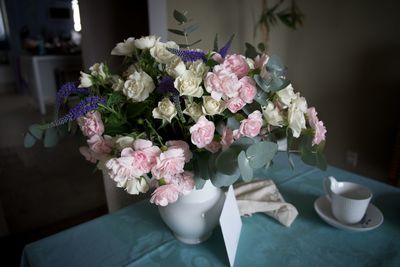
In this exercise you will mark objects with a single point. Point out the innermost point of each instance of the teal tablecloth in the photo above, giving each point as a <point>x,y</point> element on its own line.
<point>136,236</point>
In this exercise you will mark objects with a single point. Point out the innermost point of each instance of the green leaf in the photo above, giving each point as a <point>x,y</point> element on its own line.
<point>261,153</point>
<point>261,97</point>
<point>35,132</point>
<point>261,47</point>
<point>244,165</point>
<point>50,137</point>
<point>251,51</point>
<point>232,123</point>
<point>135,109</point>
<point>180,17</point>
<point>178,32</point>
<point>226,161</point>
<point>242,143</point>
<point>216,42</point>
<point>220,179</point>
<point>191,28</point>
<point>199,183</point>
<point>200,165</point>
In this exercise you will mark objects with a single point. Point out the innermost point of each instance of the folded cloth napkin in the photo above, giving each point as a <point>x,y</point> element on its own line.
<point>264,196</point>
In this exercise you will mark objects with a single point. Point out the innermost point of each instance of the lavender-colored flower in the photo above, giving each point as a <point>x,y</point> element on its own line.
<point>66,90</point>
<point>166,85</point>
<point>224,50</point>
<point>88,104</point>
<point>188,55</point>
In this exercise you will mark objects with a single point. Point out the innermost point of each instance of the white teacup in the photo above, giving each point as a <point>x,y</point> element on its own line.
<point>349,201</point>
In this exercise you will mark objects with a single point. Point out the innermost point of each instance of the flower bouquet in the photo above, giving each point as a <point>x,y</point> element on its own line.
<point>176,117</point>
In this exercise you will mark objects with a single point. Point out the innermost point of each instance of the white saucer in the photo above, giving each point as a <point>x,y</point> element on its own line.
<point>372,219</point>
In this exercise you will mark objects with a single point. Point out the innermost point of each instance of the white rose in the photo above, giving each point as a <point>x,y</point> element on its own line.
<point>146,42</point>
<point>98,70</point>
<point>123,142</point>
<point>198,68</point>
<point>85,80</point>
<point>160,53</point>
<point>212,106</point>
<point>300,102</point>
<point>286,95</point>
<point>296,120</point>
<point>165,110</point>
<point>138,86</point>
<point>194,111</point>
<point>272,115</point>
<point>250,62</point>
<point>176,67</point>
<point>125,48</point>
<point>117,83</point>
<point>189,84</point>
<point>136,185</point>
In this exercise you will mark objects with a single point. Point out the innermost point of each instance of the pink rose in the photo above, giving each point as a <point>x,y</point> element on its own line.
<point>164,195</point>
<point>227,138</point>
<point>170,163</point>
<point>222,83</point>
<point>248,89</point>
<point>122,168</point>
<point>317,125</point>
<point>260,61</point>
<point>183,145</point>
<point>237,64</point>
<point>251,126</point>
<point>217,57</point>
<point>184,182</point>
<point>100,144</point>
<point>202,132</point>
<point>235,104</point>
<point>312,117</point>
<point>88,154</point>
<point>213,147</point>
<point>91,124</point>
<point>144,156</point>
<point>236,134</point>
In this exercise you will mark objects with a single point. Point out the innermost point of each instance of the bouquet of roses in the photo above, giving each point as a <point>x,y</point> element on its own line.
<point>176,117</point>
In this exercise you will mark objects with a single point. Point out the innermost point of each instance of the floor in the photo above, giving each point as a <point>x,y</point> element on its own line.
<point>42,190</point>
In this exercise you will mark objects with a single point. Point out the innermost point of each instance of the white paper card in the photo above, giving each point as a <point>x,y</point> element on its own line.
<point>231,225</point>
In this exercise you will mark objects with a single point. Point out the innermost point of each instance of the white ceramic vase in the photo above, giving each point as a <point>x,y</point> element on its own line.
<point>193,217</point>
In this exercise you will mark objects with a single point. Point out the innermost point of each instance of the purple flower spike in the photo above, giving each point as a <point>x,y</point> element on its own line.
<point>224,50</point>
<point>166,85</point>
<point>188,55</point>
<point>88,104</point>
<point>66,90</point>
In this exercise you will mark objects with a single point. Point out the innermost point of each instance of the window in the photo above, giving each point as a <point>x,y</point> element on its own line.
<point>76,16</point>
<point>2,27</point>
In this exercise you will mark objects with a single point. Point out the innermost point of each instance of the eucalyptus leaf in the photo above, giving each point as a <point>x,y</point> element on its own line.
<point>226,161</point>
<point>275,66</point>
<point>199,183</point>
<point>50,137</point>
<point>29,140</point>
<point>232,123</point>
<point>251,51</point>
<point>191,28</point>
<point>35,132</point>
<point>220,179</point>
<point>263,84</point>
<point>250,108</point>
<point>178,32</point>
<point>261,153</point>
<point>180,17</point>
<point>261,97</point>
<point>244,165</point>
<point>242,143</point>
<point>200,165</point>
<point>216,42</point>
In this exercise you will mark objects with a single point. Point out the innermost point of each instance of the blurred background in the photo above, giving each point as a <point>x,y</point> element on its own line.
<point>344,59</point>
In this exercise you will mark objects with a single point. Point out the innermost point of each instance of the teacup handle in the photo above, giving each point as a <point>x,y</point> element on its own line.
<point>328,182</point>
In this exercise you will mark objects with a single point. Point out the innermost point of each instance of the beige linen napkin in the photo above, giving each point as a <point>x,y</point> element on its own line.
<point>264,196</point>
